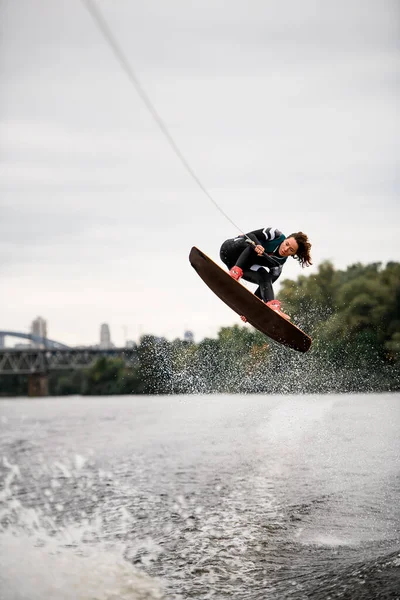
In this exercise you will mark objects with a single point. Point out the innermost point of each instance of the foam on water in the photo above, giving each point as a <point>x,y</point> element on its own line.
<point>43,567</point>
<point>330,540</point>
<point>42,558</point>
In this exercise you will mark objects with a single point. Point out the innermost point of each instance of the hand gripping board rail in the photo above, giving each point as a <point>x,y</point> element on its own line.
<point>243,302</point>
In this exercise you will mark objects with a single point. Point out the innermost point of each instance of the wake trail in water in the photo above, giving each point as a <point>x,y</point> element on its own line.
<point>222,497</point>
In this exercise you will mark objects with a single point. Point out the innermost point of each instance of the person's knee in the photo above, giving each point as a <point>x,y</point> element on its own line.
<point>225,253</point>
<point>264,275</point>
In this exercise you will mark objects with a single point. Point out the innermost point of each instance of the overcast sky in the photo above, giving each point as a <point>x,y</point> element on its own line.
<point>287,111</point>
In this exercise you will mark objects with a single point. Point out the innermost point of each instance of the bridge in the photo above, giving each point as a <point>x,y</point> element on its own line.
<point>38,362</point>
<point>36,339</point>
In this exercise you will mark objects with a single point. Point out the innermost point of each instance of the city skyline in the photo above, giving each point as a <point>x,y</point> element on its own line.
<point>287,114</point>
<point>39,328</point>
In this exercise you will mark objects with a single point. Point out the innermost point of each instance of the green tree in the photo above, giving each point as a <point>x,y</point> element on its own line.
<point>105,376</point>
<point>311,300</point>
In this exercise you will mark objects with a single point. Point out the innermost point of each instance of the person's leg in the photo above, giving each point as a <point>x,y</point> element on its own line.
<point>258,293</point>
<point>233,253</point>
<point>265,291</point>
<point>247,258</point>
<point>263,279</point>
<point>230,252</point>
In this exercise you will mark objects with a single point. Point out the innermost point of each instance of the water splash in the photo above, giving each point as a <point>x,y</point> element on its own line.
<point>48,551</point>
<point>52,570</point>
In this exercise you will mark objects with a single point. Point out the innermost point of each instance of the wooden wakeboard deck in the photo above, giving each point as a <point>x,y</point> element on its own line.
<point>243,302</point>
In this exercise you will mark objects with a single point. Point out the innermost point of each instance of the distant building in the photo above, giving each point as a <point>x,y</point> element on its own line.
<point>105,337</point>
<point>39,328</point>
<point>188,336</point>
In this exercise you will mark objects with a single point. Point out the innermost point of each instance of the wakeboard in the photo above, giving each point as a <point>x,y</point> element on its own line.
<point>243,302</point>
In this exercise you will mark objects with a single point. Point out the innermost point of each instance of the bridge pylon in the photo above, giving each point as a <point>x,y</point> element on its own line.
<point>38,385</point>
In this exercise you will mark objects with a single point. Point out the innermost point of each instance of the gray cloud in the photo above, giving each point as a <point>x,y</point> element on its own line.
<point>287,112</point>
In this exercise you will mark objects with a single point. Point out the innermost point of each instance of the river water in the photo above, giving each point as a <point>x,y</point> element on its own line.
<point>206,497</point>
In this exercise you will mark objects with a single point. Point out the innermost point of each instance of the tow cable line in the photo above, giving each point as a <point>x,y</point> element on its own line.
<point>125,65</point>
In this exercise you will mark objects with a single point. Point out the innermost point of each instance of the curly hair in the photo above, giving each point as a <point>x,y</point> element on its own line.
<point>303,253</point>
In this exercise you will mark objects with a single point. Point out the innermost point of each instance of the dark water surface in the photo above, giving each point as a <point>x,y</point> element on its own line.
<point>239,497</point>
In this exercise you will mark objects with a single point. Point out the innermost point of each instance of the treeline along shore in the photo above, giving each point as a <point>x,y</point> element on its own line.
<point>353,316</point>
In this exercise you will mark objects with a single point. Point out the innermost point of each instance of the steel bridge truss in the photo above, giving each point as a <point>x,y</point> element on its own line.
<point>13,361</point>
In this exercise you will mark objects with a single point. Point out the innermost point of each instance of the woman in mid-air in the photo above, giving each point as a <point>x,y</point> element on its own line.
<point>259,257</point>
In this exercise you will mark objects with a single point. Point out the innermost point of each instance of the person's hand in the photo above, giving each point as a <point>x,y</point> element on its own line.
<point>259,249</point>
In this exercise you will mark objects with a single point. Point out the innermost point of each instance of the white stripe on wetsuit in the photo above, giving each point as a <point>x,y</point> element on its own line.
<point>269,233</point>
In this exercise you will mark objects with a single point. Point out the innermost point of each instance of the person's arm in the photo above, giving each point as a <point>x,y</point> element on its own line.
<point>253,236</point>
<point>259,236</point>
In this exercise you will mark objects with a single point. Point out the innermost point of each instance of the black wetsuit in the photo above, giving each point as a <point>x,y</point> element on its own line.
<point>261,270</point>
